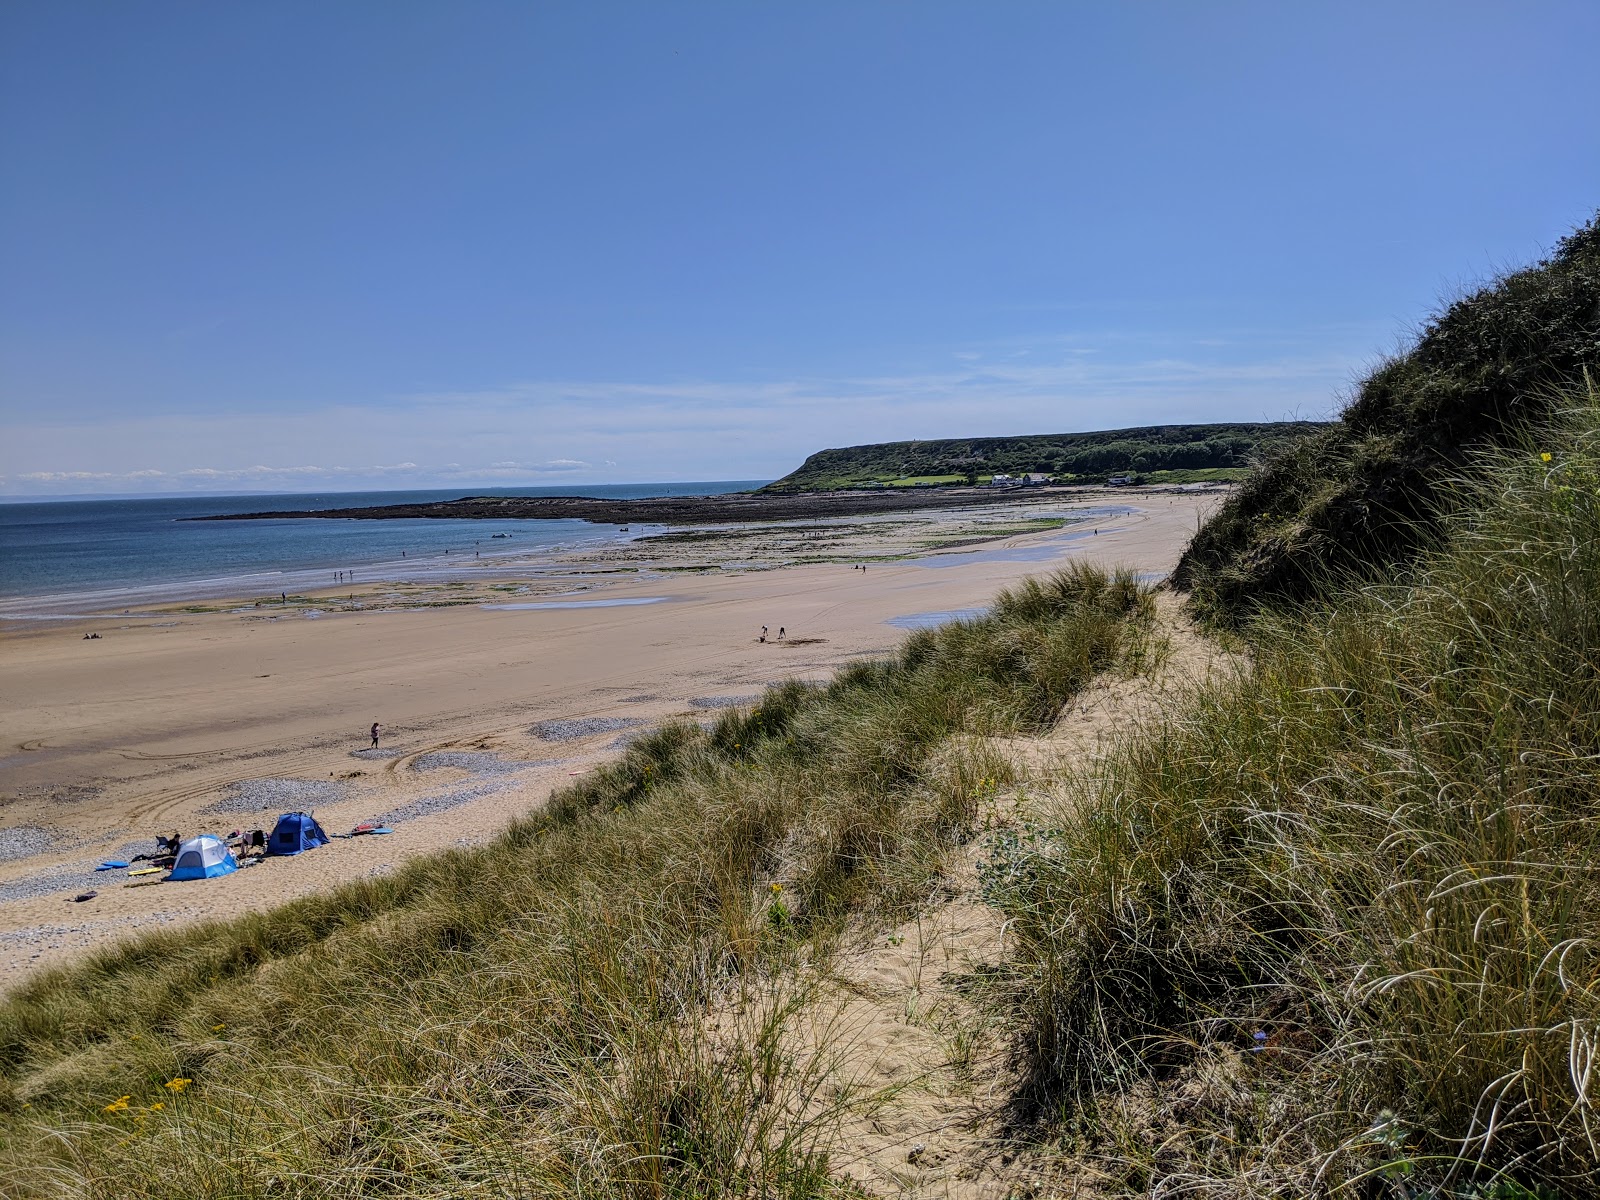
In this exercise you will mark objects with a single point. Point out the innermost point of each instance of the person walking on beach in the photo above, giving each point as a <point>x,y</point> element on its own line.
<point>780,633</point>
<point>763,636</point>
<point>376,728</point>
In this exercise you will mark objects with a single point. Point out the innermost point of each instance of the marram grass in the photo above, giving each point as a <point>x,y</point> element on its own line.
<point>1332,925</point>
<point>595,1004</point>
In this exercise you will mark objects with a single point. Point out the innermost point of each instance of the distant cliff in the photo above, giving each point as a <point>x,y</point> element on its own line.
<point>1070,457</point>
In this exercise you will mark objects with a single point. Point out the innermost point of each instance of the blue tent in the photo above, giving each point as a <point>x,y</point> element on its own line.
<point>203,857</point>
<point>295,832</point>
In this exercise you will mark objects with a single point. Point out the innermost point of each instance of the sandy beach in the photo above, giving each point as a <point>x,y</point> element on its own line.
<point>491,691</point>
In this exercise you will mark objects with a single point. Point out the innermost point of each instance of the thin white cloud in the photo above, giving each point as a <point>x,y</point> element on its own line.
<point>585,431</point>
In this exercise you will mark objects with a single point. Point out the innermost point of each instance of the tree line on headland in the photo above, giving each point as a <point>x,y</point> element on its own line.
<point>1165,453</point>
<point>893,477</point>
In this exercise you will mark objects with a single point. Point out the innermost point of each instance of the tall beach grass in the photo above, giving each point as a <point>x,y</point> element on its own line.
<point>595,1004</point>
<point>1333,924</point>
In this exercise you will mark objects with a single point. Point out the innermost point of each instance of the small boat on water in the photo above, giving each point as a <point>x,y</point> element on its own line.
<point>499,535</point>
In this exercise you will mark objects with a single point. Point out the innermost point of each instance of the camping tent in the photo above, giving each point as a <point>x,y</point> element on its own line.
<point>202,857</point>
<point>295,832</point>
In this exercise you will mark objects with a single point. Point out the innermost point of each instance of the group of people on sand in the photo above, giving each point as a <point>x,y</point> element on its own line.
<point>91,637</point>
<point>763,637</point>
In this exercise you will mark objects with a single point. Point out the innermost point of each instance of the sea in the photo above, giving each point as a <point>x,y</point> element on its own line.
<point>70,558</point>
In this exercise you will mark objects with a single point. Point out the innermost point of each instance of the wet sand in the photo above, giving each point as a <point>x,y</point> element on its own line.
<point>163,722</point>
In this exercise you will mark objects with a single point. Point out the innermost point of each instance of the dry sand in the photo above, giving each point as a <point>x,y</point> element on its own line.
<point>899,1017</point>
<point>104,744</point>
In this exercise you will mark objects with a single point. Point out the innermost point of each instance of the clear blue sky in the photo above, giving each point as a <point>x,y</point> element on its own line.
<point>310,245</point>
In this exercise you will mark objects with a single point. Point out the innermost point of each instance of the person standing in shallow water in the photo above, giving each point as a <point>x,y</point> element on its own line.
<point>376,728</point>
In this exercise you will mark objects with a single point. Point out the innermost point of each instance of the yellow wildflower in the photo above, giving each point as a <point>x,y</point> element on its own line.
<point>177,1085</point>
<point>218,1028</point>
<point>1545,457</point>
<point>118,1105</point>
<point>776,888</point>
<point>157,1106</point>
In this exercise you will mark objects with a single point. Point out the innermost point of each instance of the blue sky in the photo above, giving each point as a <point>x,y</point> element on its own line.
<point>286,246</point>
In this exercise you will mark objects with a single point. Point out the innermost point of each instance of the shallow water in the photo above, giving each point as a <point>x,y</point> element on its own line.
<point>62,558</point>
<point>931,620</point>
<point>1045,550</point>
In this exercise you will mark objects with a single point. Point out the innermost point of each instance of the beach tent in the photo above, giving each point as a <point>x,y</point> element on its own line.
<point>202,857</point>
<point>295,832</point>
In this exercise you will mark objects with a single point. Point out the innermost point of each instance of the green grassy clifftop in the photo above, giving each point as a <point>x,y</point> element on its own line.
<point>1088,457</point>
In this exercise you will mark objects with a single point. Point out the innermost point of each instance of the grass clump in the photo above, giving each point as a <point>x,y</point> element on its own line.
<point>1367,494</point>
<point>1331,924</point>
<point>597,1004</point>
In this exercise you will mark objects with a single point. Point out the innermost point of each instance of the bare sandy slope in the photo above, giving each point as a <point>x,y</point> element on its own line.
<point>105,743</point>
<point>904,1015</point>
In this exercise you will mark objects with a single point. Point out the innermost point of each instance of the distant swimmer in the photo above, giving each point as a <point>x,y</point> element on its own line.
<point>376,729</point>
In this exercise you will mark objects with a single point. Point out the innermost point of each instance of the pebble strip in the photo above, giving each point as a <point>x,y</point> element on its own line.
<point>723,701</point>
<point>478,762</point>
<point>582,727</point>
<point>278,795</point>
<point>494,775</point>
<point>41,938</point>
<point>78,878</point>
<point>440,802</point>
<point>24,841</point>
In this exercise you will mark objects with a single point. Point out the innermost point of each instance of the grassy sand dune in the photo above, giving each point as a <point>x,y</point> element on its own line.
<point>1330,924</point>
<point>1368,493</point>
<point>1308,911</point>
<point>533,1017</point>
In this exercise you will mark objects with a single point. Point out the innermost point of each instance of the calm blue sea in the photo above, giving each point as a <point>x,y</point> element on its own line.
<point>80,556</point>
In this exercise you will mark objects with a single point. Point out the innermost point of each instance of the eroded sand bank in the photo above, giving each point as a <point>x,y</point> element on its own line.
<point>491,693</point>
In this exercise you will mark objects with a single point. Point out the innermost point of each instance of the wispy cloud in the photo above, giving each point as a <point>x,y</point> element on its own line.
<point>597,431</point>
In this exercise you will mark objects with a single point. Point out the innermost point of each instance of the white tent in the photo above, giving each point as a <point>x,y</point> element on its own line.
<point>202,857</point>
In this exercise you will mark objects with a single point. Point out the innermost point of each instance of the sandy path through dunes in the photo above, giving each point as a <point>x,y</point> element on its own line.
<point>106,742</point>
